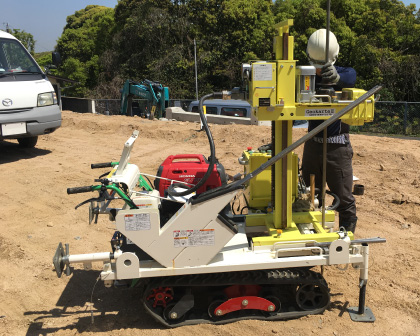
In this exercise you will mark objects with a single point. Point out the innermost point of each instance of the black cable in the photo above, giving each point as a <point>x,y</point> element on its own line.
<point>148,180</point>
<point>232,207</point>
<point>189,190</point>
<point>336,201</point>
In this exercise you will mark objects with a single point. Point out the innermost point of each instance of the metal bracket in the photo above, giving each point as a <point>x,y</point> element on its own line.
<point>366,316</point>
<point>60,260</point>
<point>93,212</point>
<point>339,252</point>
<point>182,307</point>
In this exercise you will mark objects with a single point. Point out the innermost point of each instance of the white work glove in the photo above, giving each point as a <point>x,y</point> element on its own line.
<point>329,73</point>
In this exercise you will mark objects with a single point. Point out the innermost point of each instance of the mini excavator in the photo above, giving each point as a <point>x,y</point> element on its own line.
<point>199,262</point>
<point>155,94</point>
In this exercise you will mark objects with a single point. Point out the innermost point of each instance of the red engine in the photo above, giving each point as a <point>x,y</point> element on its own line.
<point>189,168</point>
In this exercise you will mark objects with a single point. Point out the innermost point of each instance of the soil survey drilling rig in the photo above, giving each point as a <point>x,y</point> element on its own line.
<point>196,261</point>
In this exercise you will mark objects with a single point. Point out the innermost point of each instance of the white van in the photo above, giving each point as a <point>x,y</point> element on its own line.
<point>230,107</point>
<point>28,102</point>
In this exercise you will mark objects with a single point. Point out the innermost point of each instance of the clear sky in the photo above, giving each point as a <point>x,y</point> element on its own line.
<point>45,19</point>
<point>407,2</point>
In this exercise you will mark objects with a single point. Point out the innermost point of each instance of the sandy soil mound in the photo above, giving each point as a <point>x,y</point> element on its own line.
<point>36,214</point>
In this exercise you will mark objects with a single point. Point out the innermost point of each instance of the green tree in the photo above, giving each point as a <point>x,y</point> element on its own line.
<point>85,38</point>
<point>155,40</point>
<point>44,58</point>
<point>152,41</point>
<point>231,32</point>
<point>27,39</point>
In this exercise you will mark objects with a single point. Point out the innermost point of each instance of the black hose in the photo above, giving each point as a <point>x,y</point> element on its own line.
<point>190,190</point>
<point>336,201</point>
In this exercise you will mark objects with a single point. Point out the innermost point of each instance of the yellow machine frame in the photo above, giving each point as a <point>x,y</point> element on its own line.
<point>272,95</point>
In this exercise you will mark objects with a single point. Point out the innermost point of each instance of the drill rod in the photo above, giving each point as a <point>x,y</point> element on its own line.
<point>376,240</point>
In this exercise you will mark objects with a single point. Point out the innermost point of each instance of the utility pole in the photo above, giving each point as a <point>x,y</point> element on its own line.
<point>7,27</point>
<point>195,63</point>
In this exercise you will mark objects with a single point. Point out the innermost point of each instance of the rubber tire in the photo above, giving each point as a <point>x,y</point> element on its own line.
<point>29,142</point>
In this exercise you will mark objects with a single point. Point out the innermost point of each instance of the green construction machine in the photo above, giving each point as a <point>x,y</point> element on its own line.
<point>155,94</point>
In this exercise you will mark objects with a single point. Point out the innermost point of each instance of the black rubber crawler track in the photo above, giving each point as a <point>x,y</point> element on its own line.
<point>285,282</point>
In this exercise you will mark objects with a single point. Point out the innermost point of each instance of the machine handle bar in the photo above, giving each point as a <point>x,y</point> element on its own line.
<point>100,188</point>
<point>375,240</point>
<point>101,165</point>
<point>179,157</point>
<point>78,190</point>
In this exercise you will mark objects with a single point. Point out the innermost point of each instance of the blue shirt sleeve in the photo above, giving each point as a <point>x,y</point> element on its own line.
<point>347,78</point>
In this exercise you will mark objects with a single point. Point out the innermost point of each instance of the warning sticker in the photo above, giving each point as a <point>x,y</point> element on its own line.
<point>186,238</point>
<point>137,222</point>
<point>263,72</point>
<point>320,112</point>
<point>308,81</point>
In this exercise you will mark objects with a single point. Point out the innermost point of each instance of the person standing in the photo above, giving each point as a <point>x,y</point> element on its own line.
<point>339,150</point>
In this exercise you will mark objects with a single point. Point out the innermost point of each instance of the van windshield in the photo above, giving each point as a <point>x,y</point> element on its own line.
<point>14,59</point>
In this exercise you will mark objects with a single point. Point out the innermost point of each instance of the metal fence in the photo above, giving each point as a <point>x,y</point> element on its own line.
<point>394,118</point>
<point>107,106</point>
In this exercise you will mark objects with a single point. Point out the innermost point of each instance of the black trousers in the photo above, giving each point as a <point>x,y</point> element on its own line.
<point>339,174</point>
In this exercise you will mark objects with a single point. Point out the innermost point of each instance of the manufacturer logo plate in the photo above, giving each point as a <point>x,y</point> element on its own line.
<point>7,102</point>
<point>319,112</point>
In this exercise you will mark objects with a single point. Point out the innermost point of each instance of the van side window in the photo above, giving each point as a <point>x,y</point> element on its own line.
<point>233,111</point>
<point>209,109</point>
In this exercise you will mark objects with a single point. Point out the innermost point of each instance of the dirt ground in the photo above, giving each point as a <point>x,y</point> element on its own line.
<point>36,214</point>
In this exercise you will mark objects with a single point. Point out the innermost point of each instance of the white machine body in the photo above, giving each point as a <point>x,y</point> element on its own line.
<point>196,240</point>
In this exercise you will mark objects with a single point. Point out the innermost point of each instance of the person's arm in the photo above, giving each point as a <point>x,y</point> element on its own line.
<point>347,77</point>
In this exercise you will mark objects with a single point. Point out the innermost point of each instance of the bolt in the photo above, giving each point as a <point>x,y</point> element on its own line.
<point>270,308</point>
<point>219,312</point>
<point>245,303</point>
<point>174,315</point>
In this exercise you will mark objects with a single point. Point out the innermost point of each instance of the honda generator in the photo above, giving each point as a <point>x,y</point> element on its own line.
<point>189,169</point>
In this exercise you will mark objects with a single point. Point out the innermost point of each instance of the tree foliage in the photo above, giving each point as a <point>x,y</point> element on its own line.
<point>27,39</point>
<point>154,39</point>
<point>85,38</point>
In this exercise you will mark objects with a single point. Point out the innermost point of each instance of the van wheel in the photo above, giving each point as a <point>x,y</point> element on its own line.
<point>29,142</point>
